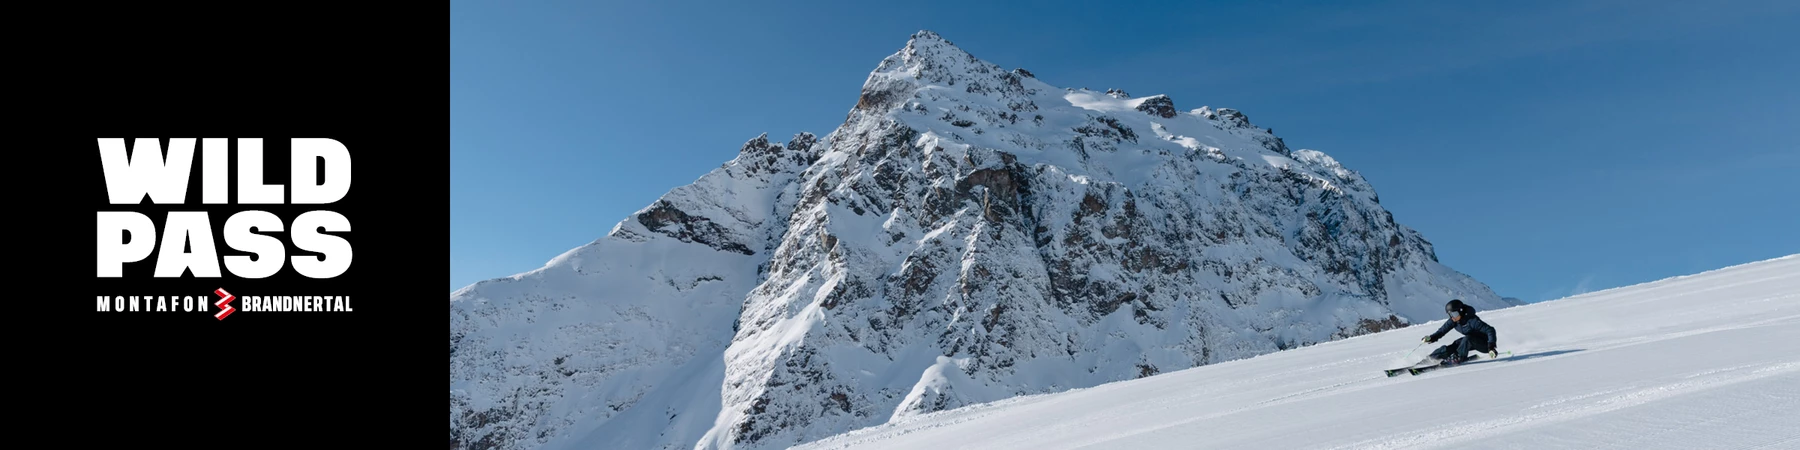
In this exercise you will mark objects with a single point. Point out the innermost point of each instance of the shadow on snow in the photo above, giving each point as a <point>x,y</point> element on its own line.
<point>1527,356</point>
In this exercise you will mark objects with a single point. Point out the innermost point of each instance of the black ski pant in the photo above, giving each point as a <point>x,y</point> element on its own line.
<point>1462,346</point>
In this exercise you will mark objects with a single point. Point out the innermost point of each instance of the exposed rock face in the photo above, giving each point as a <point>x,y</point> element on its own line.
<point>1159,106</point>
<point>967,235</point>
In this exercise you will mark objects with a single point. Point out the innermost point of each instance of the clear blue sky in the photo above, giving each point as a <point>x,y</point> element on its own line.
<point>1545,147</point>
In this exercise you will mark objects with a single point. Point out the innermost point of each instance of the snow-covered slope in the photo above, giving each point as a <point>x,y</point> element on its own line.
<point>969,234</point>
<point>1710,360</point>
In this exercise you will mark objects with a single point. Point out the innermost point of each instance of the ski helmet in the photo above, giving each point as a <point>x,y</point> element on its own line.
<point>1456,308</point>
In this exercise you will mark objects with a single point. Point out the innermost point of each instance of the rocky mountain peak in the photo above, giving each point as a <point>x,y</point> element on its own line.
<point>1158,105</point>
<point>967,235</point>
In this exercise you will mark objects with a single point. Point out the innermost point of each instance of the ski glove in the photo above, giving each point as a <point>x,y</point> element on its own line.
<point>1429,339</point>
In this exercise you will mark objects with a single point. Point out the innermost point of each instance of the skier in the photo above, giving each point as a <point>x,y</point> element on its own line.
<point>1477,335</point>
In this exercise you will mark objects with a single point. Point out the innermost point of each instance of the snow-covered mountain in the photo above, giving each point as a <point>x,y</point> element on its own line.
<point>969,234</point>
<point>1710,360</point>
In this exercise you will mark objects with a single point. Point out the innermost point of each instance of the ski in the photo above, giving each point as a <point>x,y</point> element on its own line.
<point>1397,372</point>
<point>1482,357</point>
<point>1419,370</point>
<point>1428,362</point>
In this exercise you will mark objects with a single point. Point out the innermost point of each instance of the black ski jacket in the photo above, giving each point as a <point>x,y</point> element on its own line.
<point>1470,326</point>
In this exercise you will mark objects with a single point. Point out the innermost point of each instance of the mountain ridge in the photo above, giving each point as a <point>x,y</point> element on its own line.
<point>968,234</point>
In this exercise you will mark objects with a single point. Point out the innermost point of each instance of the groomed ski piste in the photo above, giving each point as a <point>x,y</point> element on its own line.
<point>1710,360</point>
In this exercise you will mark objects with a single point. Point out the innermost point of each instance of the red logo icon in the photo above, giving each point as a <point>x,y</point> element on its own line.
<point>224,308</point>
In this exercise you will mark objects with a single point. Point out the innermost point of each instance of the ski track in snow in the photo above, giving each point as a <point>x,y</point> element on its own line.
<point>1702,361</point>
